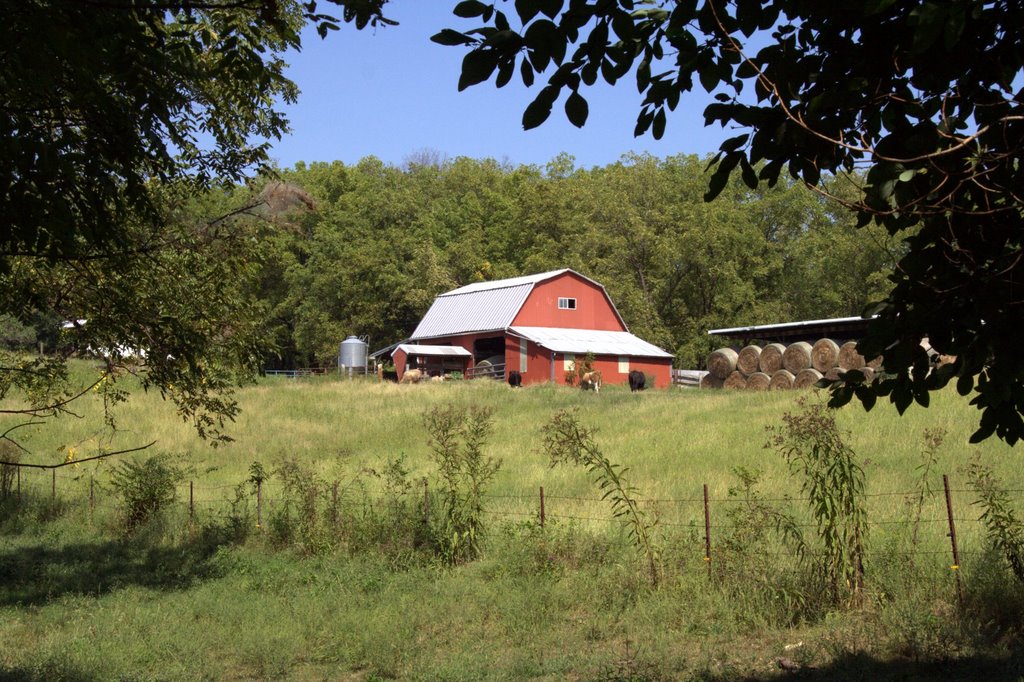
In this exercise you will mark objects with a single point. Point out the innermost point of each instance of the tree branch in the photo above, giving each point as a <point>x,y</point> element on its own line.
<point>77,461</point>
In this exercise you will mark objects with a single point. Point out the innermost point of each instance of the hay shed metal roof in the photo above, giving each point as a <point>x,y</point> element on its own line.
<point>435,351</point>
<point>850,328</point>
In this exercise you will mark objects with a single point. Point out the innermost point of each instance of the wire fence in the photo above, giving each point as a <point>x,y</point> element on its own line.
<point>945,522</point>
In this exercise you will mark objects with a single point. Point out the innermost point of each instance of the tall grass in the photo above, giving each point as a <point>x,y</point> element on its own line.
<point>566,601</point>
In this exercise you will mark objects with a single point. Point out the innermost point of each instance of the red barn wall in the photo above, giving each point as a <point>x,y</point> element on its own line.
<point>593,308</point>
<point>608,366</point>
<point>399,358</point>
<point>538,360</point>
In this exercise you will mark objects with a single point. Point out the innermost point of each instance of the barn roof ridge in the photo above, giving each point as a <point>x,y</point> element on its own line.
<point>475,287</point>
<point>488,306</point>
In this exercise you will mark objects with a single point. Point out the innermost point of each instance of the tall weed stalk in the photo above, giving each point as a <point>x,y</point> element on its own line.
<point>923,491</point>
<point>566,441</point>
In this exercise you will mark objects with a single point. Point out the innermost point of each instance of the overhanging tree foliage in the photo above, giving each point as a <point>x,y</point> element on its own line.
<point>116,116</point>
<point>922,95</point>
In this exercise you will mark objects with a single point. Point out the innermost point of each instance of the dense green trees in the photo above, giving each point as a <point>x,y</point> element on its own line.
<point>384,241</point>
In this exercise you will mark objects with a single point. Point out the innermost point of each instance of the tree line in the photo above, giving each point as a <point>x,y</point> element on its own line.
<point>382,241</point>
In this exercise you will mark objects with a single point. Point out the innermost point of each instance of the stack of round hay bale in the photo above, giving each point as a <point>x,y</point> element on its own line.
<point>775,366</point>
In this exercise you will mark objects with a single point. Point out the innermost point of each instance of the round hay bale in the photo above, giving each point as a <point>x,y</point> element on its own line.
<point>758,381</point>
<point>781,380</point>
<point>824,355</point>
<point>797,357</point>
<point>849,358</point>
<point>722,362</point>
<point>709,380</point>
<point>834,373</point>
<point>736,380</point>
<point>748,359</point>
<point>771,358</point>
<point>807,378</point>
<point>875,363</point>
<point>869,374</point>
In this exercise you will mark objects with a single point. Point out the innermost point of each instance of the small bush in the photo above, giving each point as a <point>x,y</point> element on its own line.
<point>8,472</point>
<point>457,438</point>
<point>833,482</point>
<point>746,562</point>
<point>1004,530</point>
<point>298,519</point>
<point>146,489</point>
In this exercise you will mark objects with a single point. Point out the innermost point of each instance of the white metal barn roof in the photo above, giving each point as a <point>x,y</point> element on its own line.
<point>483,306</point>
<point>476,311</point>
<point>580,341</point>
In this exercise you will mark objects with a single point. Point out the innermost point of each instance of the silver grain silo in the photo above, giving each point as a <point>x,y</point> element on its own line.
<point>352,355</point>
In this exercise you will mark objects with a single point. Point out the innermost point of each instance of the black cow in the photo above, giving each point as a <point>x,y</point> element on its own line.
<point>637,381</point>
<point>515,379</point>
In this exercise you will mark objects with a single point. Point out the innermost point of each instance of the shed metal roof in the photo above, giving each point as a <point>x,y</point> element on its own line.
<point>437,351</point>
<point>590,341</point>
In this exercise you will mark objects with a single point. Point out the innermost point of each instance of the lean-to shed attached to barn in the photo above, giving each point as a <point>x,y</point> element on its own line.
<point>537,325</point>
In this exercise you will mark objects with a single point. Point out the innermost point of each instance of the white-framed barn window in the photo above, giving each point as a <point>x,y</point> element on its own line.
<point>566,303</point>
<point>568,362</point>
<point>623,364</point>
<point>522,355</point>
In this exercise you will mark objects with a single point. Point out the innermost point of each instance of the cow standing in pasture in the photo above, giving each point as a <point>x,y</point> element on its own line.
<point>637,381</point>
<point>515,379</point>
<point>413,376</point>
<point>591,381</point>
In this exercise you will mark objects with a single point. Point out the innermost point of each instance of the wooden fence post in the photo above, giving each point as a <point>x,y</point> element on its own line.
<point>707,531</point>
<point>259,504</point>
<point>191,501</point>
<point>426,502</point>
<point>952,540</point>
<point>334,500</point>
<point>542,506</point>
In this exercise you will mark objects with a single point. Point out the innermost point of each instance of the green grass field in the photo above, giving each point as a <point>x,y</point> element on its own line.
<point>186,599</point>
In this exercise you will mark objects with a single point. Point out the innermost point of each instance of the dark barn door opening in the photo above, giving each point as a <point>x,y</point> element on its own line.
<point>489,357</point>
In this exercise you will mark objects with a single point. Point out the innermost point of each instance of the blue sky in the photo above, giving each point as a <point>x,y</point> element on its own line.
<point>391,92</point>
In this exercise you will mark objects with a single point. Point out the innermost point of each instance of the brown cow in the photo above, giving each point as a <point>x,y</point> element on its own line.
<point>591,381</point>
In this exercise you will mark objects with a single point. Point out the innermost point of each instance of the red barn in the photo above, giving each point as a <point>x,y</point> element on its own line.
<point>537,325</point>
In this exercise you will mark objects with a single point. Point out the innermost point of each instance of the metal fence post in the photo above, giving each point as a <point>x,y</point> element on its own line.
<point>707,531</point>
<point>952,540</point>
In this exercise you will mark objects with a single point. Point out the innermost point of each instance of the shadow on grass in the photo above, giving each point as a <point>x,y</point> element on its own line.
<point>46,674</point>
<point>38,573</point>
<point>863,667</point>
